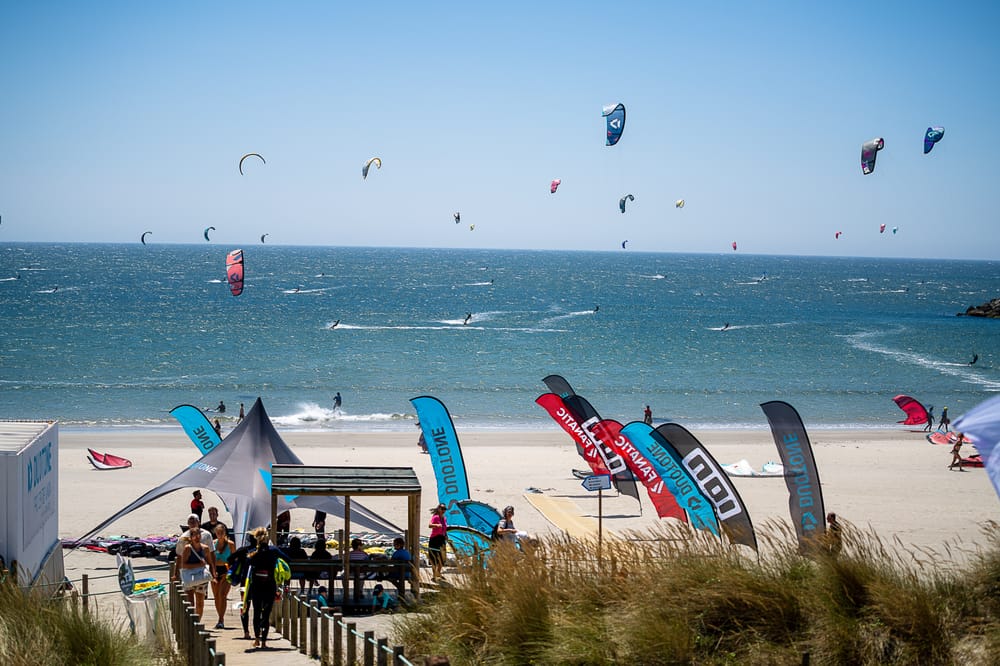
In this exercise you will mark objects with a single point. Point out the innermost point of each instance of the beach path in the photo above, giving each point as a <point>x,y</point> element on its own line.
<point>564,514</point>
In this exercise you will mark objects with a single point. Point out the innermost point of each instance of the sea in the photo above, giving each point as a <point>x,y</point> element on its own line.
<point>113,336</point>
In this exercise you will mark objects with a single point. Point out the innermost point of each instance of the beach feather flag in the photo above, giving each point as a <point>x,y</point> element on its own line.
<point>982,425</point>
<point>446,453</point>
<point>805,496</point>
<point>714,483</point>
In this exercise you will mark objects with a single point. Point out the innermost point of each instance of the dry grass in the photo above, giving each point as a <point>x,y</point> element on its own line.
<point>673,597</point>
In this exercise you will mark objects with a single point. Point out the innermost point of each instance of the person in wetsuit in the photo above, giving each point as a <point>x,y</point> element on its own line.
<point>263,587</point>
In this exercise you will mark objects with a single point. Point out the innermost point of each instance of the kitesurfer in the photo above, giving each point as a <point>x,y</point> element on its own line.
<point>336,401</point>
<point>596,308</point>
<point>334,324</point>
<point>221,408</point>
<point>647,416</point>
<point>725,326</point>
<point>930,418</point>
<point>468,317</point>
<point>975,357</point>
<point>945,422</point>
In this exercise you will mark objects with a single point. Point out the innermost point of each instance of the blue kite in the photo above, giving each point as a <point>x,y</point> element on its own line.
<point>615,113</point>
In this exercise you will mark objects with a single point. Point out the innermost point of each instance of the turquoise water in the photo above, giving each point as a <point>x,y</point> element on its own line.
<point>116,335</point>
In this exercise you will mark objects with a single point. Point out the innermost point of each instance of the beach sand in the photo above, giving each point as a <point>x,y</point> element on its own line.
<point>892,480</point>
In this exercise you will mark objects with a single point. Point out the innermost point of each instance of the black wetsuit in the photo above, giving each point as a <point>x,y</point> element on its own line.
<point>263,589</point>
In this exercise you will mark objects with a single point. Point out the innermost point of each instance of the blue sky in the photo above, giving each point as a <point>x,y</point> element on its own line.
<point>124,117</point>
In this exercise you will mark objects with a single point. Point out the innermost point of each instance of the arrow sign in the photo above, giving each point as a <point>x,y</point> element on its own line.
<point>597,482</point>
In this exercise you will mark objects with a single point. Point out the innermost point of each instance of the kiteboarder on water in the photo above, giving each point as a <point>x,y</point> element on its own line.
<point>724,326</point>
<point>975,357</point>
<point>468,317</point>
<point>334,324</point>
<point>336,401</point>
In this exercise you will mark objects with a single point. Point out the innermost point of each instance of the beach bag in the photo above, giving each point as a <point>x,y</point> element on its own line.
<point>195,578</point>
<point>282,572</point>
<point>237,573</point>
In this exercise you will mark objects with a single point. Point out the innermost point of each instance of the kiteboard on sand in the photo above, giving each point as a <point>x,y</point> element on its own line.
<point>743,468</point>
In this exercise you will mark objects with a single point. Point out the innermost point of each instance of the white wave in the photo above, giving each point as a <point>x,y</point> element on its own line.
<point>967,373</point>
<point>10,279</point>
<point>478,284</point>
<point>216,281</point>
<point>311,414</point>
<point>653,277</point>
<point>304,291</point>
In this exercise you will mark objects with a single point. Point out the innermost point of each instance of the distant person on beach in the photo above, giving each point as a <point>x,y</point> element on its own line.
<point>295,551</point>
<point>945,422</point>
<point>337,401</point>
<point>319,525</point>
<point>647,416</point>
<point>381,601</point>
<point>400,554</point>
<point>194,559</point>
<point>213,521</point>
<point>221,408</point>
<point>197,506</point>
<point>930,418</point>
<point>242,414</point>
<point>217,427</point>
<point>834,538</point>
<point>357,553</point>
<point>422,443</point>
<point>319,554</point>
<point>438,540</point>
<point>956,453</point>
<point>505,530</point>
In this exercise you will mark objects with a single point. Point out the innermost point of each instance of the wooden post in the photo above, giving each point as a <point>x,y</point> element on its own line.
<point>286,608</point>
<point>369,650</point>
<point>303,616</point>
<point>381,656</point>
<point>352,642</point>
<point>293,637</point>
<point>85,587</point>
<point>324,637</point>
<point>210,651</point>
<point>397,655</point>
<point>338,639</point>
<point>313,629</point>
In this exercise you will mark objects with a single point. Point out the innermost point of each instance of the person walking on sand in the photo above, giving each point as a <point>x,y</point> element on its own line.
<point>223,550</point>
<point>217,427</point>
<point>438,541</point>
<point>197,506</point>
<point>647,416</point>
<point>930,418</point>
<point>241,416</point>
<point>263,587</point>
<point>956,455</point>
<point>945,422</point>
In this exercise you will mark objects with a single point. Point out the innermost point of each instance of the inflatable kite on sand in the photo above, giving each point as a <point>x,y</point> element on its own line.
<point>105,461</point>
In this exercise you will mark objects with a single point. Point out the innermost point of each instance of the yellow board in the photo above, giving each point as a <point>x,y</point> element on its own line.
<point>564,514</point>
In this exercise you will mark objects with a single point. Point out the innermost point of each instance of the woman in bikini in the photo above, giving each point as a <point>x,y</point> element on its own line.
<point>224,547</point>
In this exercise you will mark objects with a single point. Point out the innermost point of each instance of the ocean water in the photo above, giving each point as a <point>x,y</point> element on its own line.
<point>114,336</point>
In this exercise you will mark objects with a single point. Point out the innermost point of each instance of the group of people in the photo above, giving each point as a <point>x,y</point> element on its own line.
<point>944,424</point>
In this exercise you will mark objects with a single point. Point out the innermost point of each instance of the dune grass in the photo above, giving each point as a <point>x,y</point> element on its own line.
<point>672,597</point>
<point>40,632</point>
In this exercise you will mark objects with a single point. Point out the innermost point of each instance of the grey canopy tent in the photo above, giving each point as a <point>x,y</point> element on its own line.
<point>238,470</point>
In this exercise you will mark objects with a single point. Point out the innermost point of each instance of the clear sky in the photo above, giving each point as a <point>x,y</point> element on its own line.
<point>117,118</point>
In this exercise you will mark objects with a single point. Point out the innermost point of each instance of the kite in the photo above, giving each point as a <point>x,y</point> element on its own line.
<point>623,243</point>
<point>621,202</point>
<point>555,185</point>
<point>376,161</point>
<point>734,246</point>
<point>262,237</point>
<point>206,232</point>
<point>932,136</point>
<point>615,113</point>
<point>869,150</point>
<point>143,236</point>
<point>881,228</point>
<point>894,230</point>
<point>234,271</point>
<point>679,203</point>
<point>458,217</point>
<point>472,227</point>
<point>249,155</point>
<point>837,234</point>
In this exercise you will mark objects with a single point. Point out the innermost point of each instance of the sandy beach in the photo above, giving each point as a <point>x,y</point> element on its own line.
<point>892,480</point>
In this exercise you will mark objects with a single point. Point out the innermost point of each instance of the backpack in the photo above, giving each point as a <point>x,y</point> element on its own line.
<point>282,572</point>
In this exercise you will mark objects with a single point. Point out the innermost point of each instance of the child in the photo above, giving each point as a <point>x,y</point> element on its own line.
<point>381,602</point>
